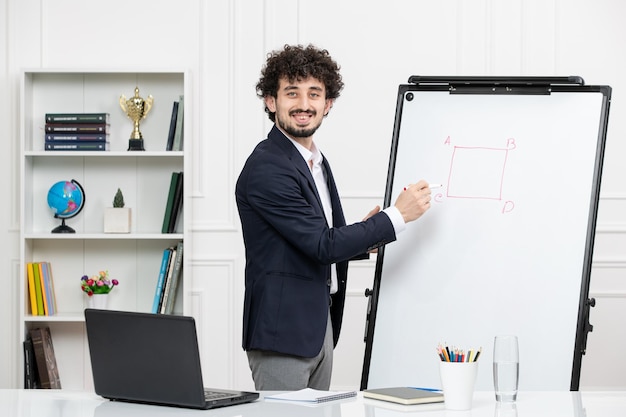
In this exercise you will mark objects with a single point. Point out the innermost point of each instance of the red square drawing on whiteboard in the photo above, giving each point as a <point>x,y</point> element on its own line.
<point>477,172</point>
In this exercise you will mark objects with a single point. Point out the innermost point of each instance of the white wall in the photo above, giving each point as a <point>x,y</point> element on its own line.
<point>379,45</point>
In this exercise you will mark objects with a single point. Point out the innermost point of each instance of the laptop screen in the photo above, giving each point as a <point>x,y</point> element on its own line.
<point>149,358</point>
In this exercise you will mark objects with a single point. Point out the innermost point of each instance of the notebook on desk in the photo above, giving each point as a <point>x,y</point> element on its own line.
<point>152,359</point>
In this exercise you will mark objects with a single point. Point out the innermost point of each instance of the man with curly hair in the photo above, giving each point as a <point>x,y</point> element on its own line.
<point>296,238</point>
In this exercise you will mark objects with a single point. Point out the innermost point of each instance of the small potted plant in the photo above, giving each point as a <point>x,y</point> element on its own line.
<point>117,218</point>
<point>98,288</point>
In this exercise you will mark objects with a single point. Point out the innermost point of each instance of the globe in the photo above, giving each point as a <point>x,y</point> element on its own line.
<point>66,199</point>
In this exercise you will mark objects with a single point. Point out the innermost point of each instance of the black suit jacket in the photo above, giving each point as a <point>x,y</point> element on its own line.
<point>290,249</point>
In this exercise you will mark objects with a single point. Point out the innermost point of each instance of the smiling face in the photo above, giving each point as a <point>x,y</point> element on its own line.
<point>300,106</point>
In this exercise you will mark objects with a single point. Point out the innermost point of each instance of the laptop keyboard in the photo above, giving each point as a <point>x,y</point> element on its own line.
<point>213,395</point>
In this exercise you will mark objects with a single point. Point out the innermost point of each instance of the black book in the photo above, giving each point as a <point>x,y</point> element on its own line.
<point>80,137</point>
<point>31,376</point>
<point>77,128</point>
<point>172,131</point>
<point>179,133</point>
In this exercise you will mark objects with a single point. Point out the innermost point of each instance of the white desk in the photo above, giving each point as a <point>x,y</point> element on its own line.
<point>61,403</point>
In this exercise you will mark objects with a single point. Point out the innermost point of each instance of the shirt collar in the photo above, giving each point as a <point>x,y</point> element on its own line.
<point>309,155</point>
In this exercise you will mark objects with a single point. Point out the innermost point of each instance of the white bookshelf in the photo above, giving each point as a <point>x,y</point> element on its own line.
<point>143,176</point>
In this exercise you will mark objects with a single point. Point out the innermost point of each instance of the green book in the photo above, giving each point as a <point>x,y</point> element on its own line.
<point>77,146</point>
<point>171,195</point>
<point>177,204</point>
<point>77,118</point>
<point>404,395</point>
<point>39,290</point>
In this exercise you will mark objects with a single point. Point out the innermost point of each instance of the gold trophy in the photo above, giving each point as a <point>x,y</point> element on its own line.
<point>136,108</point>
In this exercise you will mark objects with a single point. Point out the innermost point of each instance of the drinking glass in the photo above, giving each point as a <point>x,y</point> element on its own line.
<point>505,367</point>
<point>506,409</point>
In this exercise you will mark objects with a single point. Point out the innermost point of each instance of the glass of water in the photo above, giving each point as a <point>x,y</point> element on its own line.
<point>505,367</point>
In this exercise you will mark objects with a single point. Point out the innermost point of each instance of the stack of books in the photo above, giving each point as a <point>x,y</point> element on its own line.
<point>77,131</point>
<point>167,281</point>
<point>40,365</point>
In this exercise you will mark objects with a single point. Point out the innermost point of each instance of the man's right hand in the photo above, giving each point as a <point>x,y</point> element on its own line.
<point>413,201</point>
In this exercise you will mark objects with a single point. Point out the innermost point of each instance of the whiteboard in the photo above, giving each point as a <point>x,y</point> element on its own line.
<point>506,245</point>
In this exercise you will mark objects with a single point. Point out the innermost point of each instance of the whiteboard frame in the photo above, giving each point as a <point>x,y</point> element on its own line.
<point>506,86</point>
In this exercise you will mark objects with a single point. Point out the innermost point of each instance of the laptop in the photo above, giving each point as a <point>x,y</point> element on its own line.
<point>152,359</point>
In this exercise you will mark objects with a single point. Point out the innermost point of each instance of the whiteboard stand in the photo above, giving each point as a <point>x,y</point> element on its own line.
<point>507,244</point>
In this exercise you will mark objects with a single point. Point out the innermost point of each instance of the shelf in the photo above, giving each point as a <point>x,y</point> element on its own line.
<point>103,236</point>
<point>58,318</point>
<point>105,154</point>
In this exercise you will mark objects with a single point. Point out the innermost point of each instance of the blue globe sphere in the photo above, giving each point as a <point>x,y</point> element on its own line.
<point>66,199</point>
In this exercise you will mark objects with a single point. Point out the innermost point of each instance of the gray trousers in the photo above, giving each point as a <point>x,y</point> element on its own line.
<point>273,371</point>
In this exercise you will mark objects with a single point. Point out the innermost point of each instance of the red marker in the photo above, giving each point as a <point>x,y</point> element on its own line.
<point>431,186</point>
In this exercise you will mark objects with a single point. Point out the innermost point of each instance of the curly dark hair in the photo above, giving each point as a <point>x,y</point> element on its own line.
<point>298,63</point>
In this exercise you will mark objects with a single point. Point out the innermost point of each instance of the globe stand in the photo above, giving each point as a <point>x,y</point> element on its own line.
<point>63,228</point>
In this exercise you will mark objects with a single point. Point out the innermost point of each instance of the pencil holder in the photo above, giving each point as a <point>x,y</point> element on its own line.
<point>458,380</point>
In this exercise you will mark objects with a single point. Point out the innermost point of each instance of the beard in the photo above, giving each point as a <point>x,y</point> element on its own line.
<point>295,131</point>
